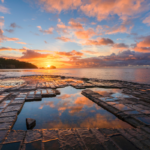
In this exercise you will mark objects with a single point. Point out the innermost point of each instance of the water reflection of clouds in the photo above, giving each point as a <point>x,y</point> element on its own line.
<point>74,103</point>
<point>97,120</point>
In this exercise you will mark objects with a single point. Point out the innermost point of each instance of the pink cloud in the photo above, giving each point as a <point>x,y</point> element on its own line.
<point>70,54</point>
<point>2,1</point>
<point>59,5</point>
<point>90,52</point>
<point>145,42</point>
<point>1,22</point>
<point>49,31</point>
<point>74,24</point>
<point>21,43</point>
<point>85,34</point>
<point>99,42</point>
<point>4,38</point>
<point>4,10</point>
<point>29,54</point>
<point>104,9</point>
<point>144,45</point>
<point>147,20</point>
<point>64,39</point>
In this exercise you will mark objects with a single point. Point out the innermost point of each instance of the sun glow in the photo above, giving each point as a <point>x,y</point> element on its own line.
<point>48,66</point>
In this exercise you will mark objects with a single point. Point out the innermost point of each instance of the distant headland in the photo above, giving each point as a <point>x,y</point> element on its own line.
<point>15,64</point>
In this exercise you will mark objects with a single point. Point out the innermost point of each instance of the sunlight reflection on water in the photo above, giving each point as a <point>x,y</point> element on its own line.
<point>129,74</point>
<point>68,110</point>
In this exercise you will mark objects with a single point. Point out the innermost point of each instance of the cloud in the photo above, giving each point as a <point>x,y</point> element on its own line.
<point>2,1</point>
<point>90,52</point>
<point>147,20</point>
<point>29,54</point>
<point>93,23</point>
<point>123,28</point>
<point>45,42</point>
<point>59,5</point>
<point>124,58</point>
<point>14,25</point>
<point>1,21</point>
<point>74,24</point>
<point>4,38</point>
<point>4,10</point>
<point>70,54</point>
<point>120,46</point>
<point>99,42</point>
<point>21,43</point>
<point>64,39</point>
<point>85,34</point>
<point>9,30</point>
<point>24,49</point>
<point>144,45</point>
<point>105,9</point>
<point>49,31</point>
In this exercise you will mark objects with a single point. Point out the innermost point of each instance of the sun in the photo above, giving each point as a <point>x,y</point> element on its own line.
<point>48,66</point>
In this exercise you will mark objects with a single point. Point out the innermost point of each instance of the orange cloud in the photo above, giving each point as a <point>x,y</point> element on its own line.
<point>29,54</point>
<point>4,38</point>
<point>85,34</point>
<point>143,46</point>
<point>70,54</point>
<point>64,39</point>
<point>59,5</point>
<point>99,42</point>
<point>74,24</point>
<point>104,9</point>
<point>147,20</point>
<point>21,43</point>
<point>90,52</point>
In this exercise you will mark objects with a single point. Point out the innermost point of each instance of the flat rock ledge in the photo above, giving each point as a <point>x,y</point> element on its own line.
<point>72,139</point>
<point>134,110</point>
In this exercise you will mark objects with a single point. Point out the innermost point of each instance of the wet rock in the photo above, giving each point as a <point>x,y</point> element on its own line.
<point>15,136</point>
<point>8,119</point>
<point>17,102</point>
<point>30,123</point>
<point>69,140</point>
<point>13,108</point>
<point>90,140</point>
<point>8,114</point>
<point>122,142</point>
<point>3,133</point>
<point>5,126</point>
<point>33,135</point>
<point>49,135</point>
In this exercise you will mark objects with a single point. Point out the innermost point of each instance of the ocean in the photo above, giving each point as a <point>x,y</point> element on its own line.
<point>140,75</point>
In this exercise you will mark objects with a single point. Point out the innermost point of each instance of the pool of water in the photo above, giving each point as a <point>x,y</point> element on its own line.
<point>68,110</point>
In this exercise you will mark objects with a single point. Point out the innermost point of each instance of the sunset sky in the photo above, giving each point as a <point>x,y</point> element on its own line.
<point>76,33</point>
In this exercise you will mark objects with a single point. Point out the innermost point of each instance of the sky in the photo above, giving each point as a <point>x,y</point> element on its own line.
<point>76,33</point>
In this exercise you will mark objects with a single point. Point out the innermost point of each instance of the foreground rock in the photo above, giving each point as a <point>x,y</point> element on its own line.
<point>30,123</point>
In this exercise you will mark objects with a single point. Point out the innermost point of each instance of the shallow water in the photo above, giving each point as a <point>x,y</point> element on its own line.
<point>140,75</point>
<point>68,110</point>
